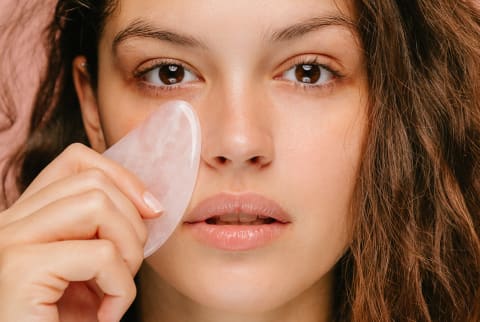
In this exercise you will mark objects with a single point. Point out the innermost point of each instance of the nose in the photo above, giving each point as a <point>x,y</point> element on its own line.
<point>237,134</point>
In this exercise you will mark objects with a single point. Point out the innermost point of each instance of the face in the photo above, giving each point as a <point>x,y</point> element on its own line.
<point>280,90</point>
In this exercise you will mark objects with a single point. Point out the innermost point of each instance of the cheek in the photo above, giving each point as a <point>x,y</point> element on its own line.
<point>326,166</point>
<point>321,163</point>
<point>115,129</point>
<point>119,113</point>
<point>323,147</point>
<point>120,110</point>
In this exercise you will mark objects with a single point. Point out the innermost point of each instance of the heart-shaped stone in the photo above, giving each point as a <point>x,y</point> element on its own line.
<point>164,153</point>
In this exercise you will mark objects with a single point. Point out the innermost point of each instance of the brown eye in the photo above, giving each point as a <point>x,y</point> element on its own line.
<point>309,74</point>
<point>171,74</point>
<point>167,75</point>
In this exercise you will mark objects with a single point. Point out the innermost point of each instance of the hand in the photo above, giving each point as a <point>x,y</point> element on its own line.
<point>71,244</point>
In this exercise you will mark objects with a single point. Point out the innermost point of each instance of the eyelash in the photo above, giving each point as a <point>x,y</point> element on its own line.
<point>336,74</point>
<point>140,75</point>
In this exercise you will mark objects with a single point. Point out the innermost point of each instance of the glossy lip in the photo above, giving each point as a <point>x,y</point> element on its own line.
<point>246,203</point>
<point>235,237</point>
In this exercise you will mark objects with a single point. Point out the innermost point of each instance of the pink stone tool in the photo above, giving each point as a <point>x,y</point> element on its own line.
<point>164,152</point>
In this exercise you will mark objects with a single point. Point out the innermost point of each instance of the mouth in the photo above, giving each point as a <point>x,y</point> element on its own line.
<point>237,222</point>
<point>240,219</point>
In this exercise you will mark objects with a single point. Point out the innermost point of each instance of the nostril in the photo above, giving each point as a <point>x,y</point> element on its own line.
<point>222,160</point>
<point>259,161</point>
<point>255,160</point>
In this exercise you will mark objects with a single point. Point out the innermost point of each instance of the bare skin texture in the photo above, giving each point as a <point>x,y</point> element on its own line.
<point>280,90</point>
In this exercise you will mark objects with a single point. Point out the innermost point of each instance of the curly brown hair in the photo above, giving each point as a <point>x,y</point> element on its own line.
<point>415,251</point>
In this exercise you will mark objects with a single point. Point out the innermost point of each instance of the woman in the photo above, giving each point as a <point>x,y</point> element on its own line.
<point>343,136</point>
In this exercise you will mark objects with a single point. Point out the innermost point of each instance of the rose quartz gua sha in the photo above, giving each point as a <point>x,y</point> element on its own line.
<point>164,153</point>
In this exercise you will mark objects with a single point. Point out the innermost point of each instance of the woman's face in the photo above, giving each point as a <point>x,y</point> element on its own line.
<point>280,90</point>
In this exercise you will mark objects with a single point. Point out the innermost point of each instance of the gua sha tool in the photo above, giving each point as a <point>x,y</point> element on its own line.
<point>164,153</point>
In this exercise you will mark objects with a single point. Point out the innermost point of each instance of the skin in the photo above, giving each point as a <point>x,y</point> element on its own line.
<point>263,131</point>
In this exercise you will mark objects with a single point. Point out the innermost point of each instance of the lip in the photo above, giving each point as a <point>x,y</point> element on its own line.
<point>235,237</point>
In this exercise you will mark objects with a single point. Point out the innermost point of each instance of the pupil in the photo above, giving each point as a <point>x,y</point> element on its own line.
<point>171,74</point>
<point>307,73</point>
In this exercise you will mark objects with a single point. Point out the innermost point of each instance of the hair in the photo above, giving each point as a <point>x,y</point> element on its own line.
<point>415,255</point>
<point>16,60</point>
<point>415,250</point>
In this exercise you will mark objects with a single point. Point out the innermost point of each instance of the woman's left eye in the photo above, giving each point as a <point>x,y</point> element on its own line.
<point>309,74</point>
<point>167,74</point>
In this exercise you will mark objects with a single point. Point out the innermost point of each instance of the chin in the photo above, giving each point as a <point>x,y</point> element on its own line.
<point>260,280</point>
<point>248,295</point>
<point>237,283</point>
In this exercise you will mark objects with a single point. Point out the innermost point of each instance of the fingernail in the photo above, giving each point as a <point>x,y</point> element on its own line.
<point>152,202</point>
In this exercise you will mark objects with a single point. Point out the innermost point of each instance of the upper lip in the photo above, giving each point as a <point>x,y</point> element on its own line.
<point>244,203</point>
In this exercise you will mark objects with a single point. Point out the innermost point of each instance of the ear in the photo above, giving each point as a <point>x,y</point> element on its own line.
<point>88,104</point>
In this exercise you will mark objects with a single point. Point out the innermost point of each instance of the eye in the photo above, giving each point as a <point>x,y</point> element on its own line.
<point>168,74</point>
<point>310,74</point>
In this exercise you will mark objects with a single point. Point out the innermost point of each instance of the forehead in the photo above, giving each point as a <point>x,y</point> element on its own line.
<point>223,19</point>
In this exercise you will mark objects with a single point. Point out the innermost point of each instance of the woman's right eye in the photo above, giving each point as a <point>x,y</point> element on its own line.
<point>168,75</point>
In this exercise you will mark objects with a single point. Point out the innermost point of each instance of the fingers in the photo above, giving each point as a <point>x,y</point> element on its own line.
<point>38,276</point>
<point>78,158</point>
<point>88,215</point>
<point>80,220</point>
<point>81,183</point>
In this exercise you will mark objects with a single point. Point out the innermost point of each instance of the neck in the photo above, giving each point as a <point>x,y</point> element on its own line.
<point>158,301</point>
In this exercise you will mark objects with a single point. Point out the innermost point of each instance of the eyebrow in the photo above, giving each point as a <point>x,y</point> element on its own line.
<point>143,29</point>
<point>300,29</point>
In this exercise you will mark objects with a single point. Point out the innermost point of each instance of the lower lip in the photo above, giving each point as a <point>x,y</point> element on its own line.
<point>236,237</point>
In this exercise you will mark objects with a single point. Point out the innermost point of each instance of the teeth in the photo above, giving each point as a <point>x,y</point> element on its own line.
<point>239,219</point>
<point>228,218</point>
<point>244,218</point>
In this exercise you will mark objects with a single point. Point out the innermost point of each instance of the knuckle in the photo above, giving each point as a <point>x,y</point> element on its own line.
<point>73,154</point>
<point>75,148</point>
<point>74,151</point>
<point>95,178</point>
<point>107,251</point>
<point>96,198</point>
